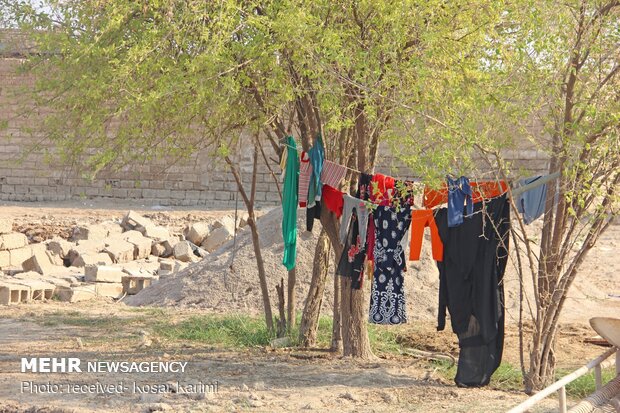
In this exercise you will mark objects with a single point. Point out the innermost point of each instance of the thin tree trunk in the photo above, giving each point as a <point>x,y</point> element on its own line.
<point>249,203</point>
<point>330,225</point>
<point>281,321</point>
<point>290,309</point>
<point>262,275</point>
<point>337,317</point>
<point>312,309</point>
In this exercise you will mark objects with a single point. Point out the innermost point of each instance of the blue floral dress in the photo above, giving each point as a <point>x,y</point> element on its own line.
<point>387,300</point>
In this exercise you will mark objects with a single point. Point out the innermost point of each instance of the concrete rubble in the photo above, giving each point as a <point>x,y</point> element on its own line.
<point>110,259</point>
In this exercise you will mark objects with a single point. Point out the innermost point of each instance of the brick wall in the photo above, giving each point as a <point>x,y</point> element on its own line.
<point>200,180</point>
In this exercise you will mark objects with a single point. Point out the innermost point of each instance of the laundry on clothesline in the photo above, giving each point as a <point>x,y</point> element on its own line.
<point>469,242</point>
<point>289,205</point>
<point>305,172</point>
<point>531,204</point>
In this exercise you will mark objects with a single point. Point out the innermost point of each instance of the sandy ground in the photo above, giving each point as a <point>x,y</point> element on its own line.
<point>259,379</point>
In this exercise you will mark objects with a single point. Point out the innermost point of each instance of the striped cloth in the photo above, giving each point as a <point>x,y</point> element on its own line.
<point>332,174</point>
<point>305,171</point>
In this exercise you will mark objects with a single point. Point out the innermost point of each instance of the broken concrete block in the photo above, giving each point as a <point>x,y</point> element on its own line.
<point>217,238</point>
<point>76,293</point>
<point>11,293</point>
<point>169,246</point>
<point>155,232</point>
<point>183,251</point>
<point>165,265</point>
<point>113,290</point>
<point>103,273</point>
<point>100,258</point>
<point>55,259</point>
<point>134,284</point>
<point>28,275</point>
<point>141,266</point>
<point>133,220</point>
<point>226,222</point>
<point>197,232</point>
<point>119,250</point>
<point>89,232</point>
<point>19,255</point>
<point>37,247</point>
<point>35,276</point>
<point>243,220</point>
<point>39,290</point>
<point>39,262</point>
<point>96,231</point>
<point>157,249</point>
<point>6,225</point>
<point>5,259</point>
<point>90,247</point>
<point>13,241</point>
<point>59,246</point>
<point>142,245</point>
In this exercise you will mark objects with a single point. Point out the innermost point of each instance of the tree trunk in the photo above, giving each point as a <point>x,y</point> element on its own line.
<point>312,309</point>
<point>354,303</point>
<point>337,317</point>
<point>281,321</point>
<point>354,321</point>
<point>262,275</point>
<point>330,226</point>
<point>542,362</point>
<point>249,203</point>
<point>290,309</point>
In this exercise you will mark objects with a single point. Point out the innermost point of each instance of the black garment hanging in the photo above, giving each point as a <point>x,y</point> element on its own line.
<point>312,213</point>
<point>351,263</point>
<point>471,288</point>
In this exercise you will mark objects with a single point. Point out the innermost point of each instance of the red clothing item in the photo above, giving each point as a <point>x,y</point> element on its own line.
<point>332,199</point>
<point>480,190</point>
<point>384,184</point>
<point>370,239</point>
<point>421,219</point>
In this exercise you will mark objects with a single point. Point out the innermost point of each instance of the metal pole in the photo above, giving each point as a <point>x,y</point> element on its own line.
<point>562,393</point>
<point>598,377</point>
<point>562,382</point>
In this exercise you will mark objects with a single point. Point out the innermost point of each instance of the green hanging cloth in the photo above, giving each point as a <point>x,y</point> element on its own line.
<point>289,204</point>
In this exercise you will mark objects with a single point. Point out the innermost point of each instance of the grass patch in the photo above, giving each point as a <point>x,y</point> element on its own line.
<point>241,331</point>
<point>236,331</point>
<point>508,378</point>
<point>73,318</point>
<point>585,385</point>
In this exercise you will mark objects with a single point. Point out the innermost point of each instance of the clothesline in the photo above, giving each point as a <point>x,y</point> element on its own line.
<point>517,191</point>
<point>301,150</point>
<point>543,180</point>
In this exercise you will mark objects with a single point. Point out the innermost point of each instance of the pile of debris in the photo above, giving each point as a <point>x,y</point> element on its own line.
<point>109,259</point>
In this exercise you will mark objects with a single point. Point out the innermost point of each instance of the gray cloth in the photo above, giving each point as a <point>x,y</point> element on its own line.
<point>531,204</point>
<point>351,203</point>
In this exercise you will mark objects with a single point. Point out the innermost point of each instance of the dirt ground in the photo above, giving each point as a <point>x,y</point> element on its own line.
<point>259,379</point>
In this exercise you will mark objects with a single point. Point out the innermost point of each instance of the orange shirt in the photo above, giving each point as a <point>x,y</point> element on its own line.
<point>420,219</point>
<point>480,190</point>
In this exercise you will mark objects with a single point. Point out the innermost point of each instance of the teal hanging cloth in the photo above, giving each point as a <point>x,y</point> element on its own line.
<point>317,157</point>
<point>289,204</point>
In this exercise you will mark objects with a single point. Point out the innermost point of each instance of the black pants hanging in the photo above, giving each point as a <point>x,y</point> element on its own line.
<point>471,288</point>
